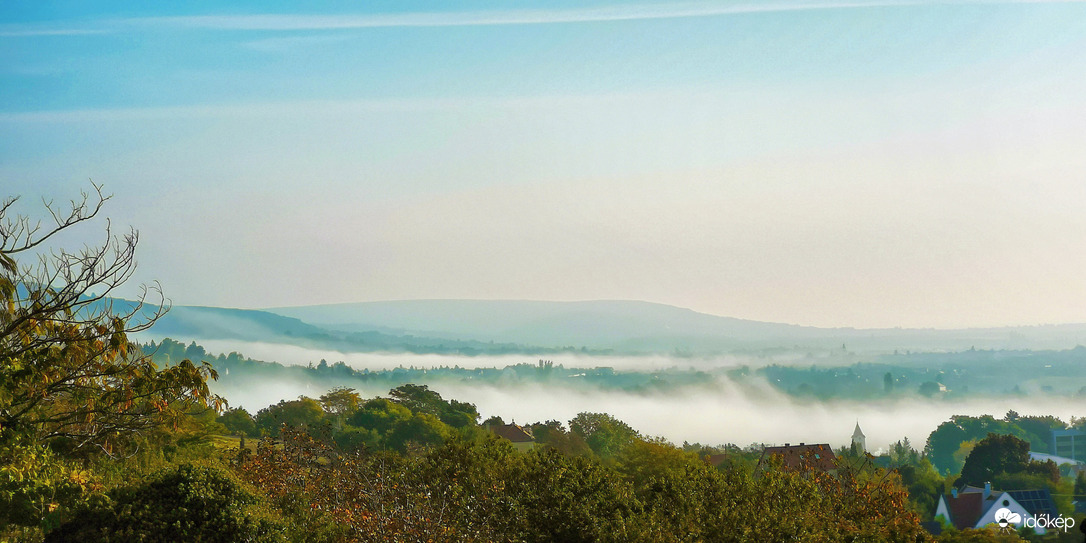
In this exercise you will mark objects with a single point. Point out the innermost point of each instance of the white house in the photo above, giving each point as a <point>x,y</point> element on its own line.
<point>978,507</point>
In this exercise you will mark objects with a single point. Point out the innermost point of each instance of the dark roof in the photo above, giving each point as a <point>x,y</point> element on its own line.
<point>1037,502</point>
<point>819,456</point>
<point>965,510</point>
<point>715,459</point>
<point>512,432</point>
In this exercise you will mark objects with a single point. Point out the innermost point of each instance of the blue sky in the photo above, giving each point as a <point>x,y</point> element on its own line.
<point>829,163</point>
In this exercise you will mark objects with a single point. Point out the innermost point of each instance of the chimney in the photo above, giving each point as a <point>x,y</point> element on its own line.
<point>800,443</point>
<point>954,493</point>
<point>787,444</point>
<point>987,489</point>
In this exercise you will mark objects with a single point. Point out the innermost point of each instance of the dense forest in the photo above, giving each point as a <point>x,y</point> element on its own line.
<point>102,440</point>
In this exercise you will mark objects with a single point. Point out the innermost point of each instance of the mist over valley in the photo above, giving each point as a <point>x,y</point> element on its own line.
<point>666,371</point>
<point>551,272</point>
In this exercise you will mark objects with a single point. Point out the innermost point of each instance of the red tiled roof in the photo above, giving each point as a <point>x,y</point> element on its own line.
<point>966,509</point>
<point>715,459</point>
<point>819,456</point>
<point>514,433</point>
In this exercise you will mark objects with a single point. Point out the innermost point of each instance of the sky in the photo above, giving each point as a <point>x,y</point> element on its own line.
<point>828,163</point>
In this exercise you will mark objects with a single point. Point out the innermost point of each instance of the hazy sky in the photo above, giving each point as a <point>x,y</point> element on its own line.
<point>883,163</point>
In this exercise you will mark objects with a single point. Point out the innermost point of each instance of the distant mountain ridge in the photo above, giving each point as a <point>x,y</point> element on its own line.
<point>225,323</point>
<point>533,321</point>
<point>646,327</point>
<point>483,327</point>
<point>251,325</point>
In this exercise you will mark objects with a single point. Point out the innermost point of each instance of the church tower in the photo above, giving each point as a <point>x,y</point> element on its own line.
<point>859,441</point>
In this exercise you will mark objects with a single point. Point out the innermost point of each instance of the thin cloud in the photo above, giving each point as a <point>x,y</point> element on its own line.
<point>260,109</point>
<point>310,108</point>
<point>296,22</point>
<point>274,22</point>
<point>27,32</point>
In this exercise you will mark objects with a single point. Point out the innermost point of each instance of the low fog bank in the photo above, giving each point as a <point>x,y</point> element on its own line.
<point>295,355</point>
<point>728,413</point>
<point>713,413</point>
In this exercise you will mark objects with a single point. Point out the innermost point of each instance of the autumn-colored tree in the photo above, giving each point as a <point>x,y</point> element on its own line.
<point>67,368</point>
<point>353,496</point>
<point>72,385</point>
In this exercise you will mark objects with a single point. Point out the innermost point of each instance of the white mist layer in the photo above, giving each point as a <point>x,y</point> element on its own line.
<point>301,356</point>
<point>732,414</point>
<point>713,413</point>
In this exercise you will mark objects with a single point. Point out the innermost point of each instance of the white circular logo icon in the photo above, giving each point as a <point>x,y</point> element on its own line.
<point>1005,517</point>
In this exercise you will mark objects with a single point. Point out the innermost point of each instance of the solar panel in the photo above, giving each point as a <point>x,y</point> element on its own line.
<point>1037,502</point>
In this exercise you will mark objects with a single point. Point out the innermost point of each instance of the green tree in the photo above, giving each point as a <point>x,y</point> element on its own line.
<point>902,453</point>
<point>304,412</point>
<point>571,499</point>
<point>421,430</point>
<point>35,482</point>
<point>67,368</point>
<point>420,399</point>
<point>604,434</point>
<point>929,388</point>
<point>460,414</point>
<point>947,439</point>
<point>924,484</point>
<point>1003,454</point>
<point>380,415</point>
<point>340,402</point>
<point>1037,429</point>
<point>70,379</point>
<point>553,434</point>
<point>238,421</point>
<point>186,503</point>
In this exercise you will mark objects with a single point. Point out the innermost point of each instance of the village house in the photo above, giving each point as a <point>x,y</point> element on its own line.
<point>818,456</point>
<point>975,507</point>
<point>520,436</point>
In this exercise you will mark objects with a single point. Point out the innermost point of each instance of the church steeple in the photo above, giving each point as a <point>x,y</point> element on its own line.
<point>859,441</point>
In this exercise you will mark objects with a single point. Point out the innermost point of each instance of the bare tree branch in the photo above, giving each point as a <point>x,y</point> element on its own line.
<point>67,367</point>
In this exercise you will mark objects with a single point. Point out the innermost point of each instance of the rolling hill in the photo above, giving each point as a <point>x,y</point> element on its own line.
<point>644,327</point>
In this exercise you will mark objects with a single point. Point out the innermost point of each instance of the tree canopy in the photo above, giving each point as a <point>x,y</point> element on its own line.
<point>73,387</point>
<point>67,368</point>
<point>1003,455</point>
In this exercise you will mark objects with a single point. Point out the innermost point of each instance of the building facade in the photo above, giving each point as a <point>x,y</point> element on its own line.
<point>1069,444</point>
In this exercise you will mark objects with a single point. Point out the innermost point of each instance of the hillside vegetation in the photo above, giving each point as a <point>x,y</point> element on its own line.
<point>101,442</point>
